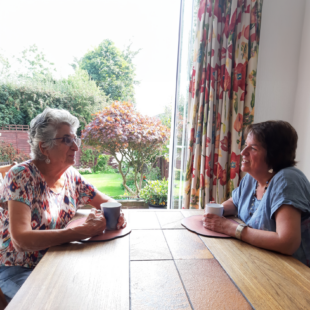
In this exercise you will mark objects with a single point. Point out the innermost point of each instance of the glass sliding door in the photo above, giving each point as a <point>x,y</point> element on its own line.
<point>178,144</point>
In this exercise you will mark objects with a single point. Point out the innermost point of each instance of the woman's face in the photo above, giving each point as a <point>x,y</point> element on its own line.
<point>62,154</point>
<point>254,157</point>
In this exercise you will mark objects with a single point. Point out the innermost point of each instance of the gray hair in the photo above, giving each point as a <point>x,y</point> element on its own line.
<point>44,127</point>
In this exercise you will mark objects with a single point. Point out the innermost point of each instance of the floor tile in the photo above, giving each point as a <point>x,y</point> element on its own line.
<point>209,287</point>
<point>170,219</point>
<point>148,245</point>
<point>143,220</point>
<point>155,285</point>
<point>184,244</point>
<point>190,212</point>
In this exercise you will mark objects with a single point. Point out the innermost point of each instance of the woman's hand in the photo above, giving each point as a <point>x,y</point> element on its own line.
<point>94,225</point>
<point>219,224</point>
<point>122,223</point>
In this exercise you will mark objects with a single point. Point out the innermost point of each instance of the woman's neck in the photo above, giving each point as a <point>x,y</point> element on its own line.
<point>52,173</point>
<point>264,178</point>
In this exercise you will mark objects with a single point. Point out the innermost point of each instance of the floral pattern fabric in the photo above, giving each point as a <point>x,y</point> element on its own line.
<point>222,97</point>
<point>49,210</point>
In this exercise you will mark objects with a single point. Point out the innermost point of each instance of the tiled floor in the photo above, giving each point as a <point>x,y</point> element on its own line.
<point>208,285</point>
<point>156,285</point>
<point>148,245</point>
<point>171,268</point>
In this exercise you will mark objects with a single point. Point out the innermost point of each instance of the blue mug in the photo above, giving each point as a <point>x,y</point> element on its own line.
<point>111,212</point>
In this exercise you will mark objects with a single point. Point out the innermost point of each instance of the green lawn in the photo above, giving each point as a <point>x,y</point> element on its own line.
<point>109,184</point>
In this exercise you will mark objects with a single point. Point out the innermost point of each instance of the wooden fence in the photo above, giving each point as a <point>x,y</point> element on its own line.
<point>18,138</point>
<point>14,128</point>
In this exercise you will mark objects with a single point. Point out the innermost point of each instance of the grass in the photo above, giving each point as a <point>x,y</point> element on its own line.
<point>109,184</point>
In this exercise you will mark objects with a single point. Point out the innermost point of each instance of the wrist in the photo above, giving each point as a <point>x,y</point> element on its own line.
<point>232,231</point>
<point>239,231</point>
<point>77,233</point>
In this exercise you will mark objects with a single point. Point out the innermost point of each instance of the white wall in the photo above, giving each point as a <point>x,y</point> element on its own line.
<point>301,118</point>
<point>278,59</point>
<point>283,73</point>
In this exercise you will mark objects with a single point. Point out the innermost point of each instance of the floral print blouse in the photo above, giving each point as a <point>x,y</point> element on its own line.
<point>49,210</point>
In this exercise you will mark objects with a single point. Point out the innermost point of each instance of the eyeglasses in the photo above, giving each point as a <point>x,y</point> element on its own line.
<point>67,140</point>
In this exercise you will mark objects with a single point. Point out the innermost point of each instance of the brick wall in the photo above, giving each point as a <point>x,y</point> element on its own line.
<point>17,138</point>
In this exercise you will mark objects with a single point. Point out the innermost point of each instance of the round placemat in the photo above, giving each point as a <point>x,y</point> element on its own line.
<point>105,236</point>
<point>194,224</point>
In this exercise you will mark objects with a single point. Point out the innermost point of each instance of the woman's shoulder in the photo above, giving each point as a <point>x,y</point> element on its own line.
<point>247,180</point>
<point>21,168</point>
<point>72,171</point>
<point>291,175</point>
<point>73,175</point>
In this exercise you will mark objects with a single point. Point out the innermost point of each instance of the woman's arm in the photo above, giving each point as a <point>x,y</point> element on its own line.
<point>285,240</point>
<point>26,239</point>
<point>102,198</point>
<point>287,237</point>
<point>99,199</point>
<point>229,207</point>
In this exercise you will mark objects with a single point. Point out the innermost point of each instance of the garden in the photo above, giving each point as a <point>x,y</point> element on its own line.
<point>120,146</point>
<point>120,151</point>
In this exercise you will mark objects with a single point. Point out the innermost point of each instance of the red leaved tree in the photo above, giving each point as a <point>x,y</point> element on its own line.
<point>128,136</point>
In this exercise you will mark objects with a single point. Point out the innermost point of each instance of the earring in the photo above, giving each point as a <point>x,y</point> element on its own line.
<point>47,160</point>
<point>270,170</point>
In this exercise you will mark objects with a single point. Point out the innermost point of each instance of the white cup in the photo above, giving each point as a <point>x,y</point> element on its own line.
<point>214,208</point>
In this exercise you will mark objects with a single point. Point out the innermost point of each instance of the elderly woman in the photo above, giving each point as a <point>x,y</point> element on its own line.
<point>273,199</point>
<point>43,195</point>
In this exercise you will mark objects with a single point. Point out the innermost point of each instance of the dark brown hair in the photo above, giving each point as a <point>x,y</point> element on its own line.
<point>279,138</point>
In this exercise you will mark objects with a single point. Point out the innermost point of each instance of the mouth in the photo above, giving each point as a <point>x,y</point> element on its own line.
<point>245,161</point>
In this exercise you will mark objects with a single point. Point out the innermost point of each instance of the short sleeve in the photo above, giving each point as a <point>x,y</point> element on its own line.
<point>85,191</point>
<point>236,194</point>
<point>18,185</point>
<point>1,187</point>
<point>290,190</point>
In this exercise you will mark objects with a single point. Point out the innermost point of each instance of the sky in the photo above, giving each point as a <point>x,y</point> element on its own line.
<point>66,29</point>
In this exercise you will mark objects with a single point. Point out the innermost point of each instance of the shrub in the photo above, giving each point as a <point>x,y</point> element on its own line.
<point>102,163</point>
<point>85,171</point>
<point>22,99</point>
<point>89,156</point>
<point>153,174</point>
<point>155,192</point>
<point>177,174</point>
<point>9,153</point>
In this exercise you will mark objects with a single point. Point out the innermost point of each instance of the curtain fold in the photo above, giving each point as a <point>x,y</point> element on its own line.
<point>222,97</point>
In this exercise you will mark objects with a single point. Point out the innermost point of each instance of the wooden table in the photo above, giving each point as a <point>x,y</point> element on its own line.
<point>161,265</point>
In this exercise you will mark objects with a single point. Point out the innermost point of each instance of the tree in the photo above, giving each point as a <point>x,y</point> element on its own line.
<point>112,70</point>
<point>35,65</point>
<point>31,63</point>
<point>128,136</point>
<point>22,99</point>
<point>166,120</point>
<point>5,67</point>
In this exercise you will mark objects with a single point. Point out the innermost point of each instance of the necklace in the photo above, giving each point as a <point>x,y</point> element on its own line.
<point>255,193</point>
<point>255,196</point>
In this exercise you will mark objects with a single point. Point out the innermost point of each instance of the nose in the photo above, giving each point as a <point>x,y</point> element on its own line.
<point>74,146</point>
<point>244,151</point>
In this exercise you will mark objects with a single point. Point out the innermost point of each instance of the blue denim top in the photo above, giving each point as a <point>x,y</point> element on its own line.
<point>290,187</point>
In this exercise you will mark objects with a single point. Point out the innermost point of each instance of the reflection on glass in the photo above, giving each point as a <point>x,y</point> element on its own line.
<point>189,10</point>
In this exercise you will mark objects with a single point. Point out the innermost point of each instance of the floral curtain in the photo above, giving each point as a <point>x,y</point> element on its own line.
<point>222,97</point>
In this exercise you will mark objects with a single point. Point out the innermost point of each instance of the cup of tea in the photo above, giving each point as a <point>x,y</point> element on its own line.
<point>111,212</point>
<point>214,208</point>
